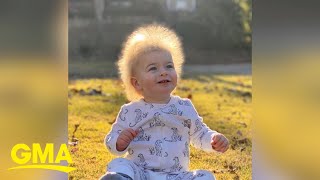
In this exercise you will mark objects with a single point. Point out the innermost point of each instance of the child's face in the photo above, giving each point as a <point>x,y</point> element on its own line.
<point>155,76</point>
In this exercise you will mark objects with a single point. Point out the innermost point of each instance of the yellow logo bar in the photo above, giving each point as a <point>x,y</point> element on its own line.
<point>49,167</point>
<point>40,158</point>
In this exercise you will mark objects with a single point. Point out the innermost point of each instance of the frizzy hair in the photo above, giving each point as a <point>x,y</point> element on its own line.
<point>145,39</point>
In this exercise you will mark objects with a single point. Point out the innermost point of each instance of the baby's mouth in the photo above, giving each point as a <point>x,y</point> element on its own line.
<point>164,81</point>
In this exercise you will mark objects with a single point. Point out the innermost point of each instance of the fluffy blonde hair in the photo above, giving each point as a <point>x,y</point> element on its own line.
<point>145,39</point>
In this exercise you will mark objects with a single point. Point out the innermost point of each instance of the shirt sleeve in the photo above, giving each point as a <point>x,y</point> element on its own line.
<point>119,125</point>
<point>200,134</point>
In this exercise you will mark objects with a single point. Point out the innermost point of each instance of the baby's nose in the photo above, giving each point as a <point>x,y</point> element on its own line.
<point>164,73</point>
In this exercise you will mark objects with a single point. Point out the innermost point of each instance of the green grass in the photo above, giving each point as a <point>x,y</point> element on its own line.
<point>224,102</point>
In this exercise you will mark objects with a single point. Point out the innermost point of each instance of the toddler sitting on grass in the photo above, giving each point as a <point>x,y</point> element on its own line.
<point>155,129</point>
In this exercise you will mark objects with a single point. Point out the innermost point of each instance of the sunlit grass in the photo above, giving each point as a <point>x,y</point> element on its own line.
<point>223,101</point>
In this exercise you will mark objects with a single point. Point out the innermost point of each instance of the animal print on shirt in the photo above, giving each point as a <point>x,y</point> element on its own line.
<point>198,126</point>
<point>187,123</point>
<point>142,176</point>
<point>142,136</point>
<point>192,177</point>
<point>177,166</point>
<point>142,161</point>
<point>175,136</point>
<point>172,110</point>
<point>186,150</point>
<point>157,150</point>
<point>122,113</point>
<point>150,105</point>
<point>200,138</point>
<point>161,130</point>
<point>184,102</point>
<point>156,120</point>
<point>138,118</point>
<point>171,176</point>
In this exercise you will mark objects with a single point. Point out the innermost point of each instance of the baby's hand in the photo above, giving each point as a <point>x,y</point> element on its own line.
<point>124,139</point>
<point>220,143</point>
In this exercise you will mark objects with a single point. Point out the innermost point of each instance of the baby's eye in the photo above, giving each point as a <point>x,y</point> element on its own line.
<point>169,66</point>
<point>152,69</point>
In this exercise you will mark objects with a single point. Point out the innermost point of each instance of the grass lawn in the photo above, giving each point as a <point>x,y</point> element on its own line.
<point>223,101</point>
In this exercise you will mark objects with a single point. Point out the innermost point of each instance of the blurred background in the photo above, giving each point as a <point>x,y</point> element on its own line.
<point>33,81</point>
<point>213,33</point>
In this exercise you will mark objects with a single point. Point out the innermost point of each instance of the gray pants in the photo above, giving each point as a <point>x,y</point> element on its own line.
<point>127,167</point>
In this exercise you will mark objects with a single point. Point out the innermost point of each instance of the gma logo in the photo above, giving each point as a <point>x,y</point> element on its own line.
<point>22,154</point>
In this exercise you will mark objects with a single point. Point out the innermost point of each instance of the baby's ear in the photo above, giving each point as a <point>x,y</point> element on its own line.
<point>135,84</point>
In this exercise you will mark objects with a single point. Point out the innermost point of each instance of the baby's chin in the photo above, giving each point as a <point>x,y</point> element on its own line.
<point>161,94</point>
<point>165,91</point>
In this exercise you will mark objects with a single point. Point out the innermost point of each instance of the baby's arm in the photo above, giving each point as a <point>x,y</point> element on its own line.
<point>116,140</point>
<point>202,137</point>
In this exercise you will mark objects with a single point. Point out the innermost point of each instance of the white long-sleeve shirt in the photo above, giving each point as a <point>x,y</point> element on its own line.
<point>165,131</point>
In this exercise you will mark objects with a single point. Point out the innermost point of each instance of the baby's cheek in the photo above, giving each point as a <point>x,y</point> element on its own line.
<point>174,80</point>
